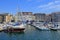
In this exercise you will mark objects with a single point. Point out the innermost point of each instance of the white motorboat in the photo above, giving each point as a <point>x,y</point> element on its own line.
<point>43,28</point>
<point>55,28</point>
<point>15,28</point>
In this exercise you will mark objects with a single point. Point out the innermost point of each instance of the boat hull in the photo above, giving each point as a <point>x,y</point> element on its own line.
<point>15,30</point>
<point>55,29</point>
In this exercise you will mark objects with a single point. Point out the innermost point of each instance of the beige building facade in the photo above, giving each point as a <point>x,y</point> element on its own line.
<point>40,17</point>
<point>24,16</point>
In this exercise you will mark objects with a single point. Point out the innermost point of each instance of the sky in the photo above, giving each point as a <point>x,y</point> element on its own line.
<point>35,6</point>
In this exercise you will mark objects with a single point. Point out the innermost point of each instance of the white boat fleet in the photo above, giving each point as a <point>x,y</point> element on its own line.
<point>14,27</point>
<point>49,26</point>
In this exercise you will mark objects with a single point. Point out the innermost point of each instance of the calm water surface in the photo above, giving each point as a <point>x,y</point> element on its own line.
<point>31,33</point>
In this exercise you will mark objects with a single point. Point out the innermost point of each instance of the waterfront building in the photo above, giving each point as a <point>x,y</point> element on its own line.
<point>24,16</point>
<point>9,18</point>
<point>3,17</point>
<point>55,16</point>
<point>48,18</point>
<point>40,17</point>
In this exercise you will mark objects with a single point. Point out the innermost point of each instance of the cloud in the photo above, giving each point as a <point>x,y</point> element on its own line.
<point>51,5</point>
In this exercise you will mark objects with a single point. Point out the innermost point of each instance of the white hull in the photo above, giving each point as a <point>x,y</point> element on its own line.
<point>43,28</point>
<point>16,28</point>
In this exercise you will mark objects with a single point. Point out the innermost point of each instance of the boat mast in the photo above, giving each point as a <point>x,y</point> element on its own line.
<point>19,10</point>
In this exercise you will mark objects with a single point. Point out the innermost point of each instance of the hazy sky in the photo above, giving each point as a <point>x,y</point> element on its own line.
<point>44,6</point>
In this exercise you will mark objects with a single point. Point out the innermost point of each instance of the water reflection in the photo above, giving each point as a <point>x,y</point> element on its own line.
<point>31,33</point>
<point>14,33</point>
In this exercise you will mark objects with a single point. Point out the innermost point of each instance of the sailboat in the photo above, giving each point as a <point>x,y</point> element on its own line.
<point>16,27</point>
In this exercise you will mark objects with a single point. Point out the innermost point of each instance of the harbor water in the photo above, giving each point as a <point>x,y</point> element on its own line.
<point>31,33</point>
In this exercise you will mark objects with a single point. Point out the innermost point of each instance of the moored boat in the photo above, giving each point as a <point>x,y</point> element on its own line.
<point>55,28</point>
<point>43,28</point>
<point>16,28</point>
